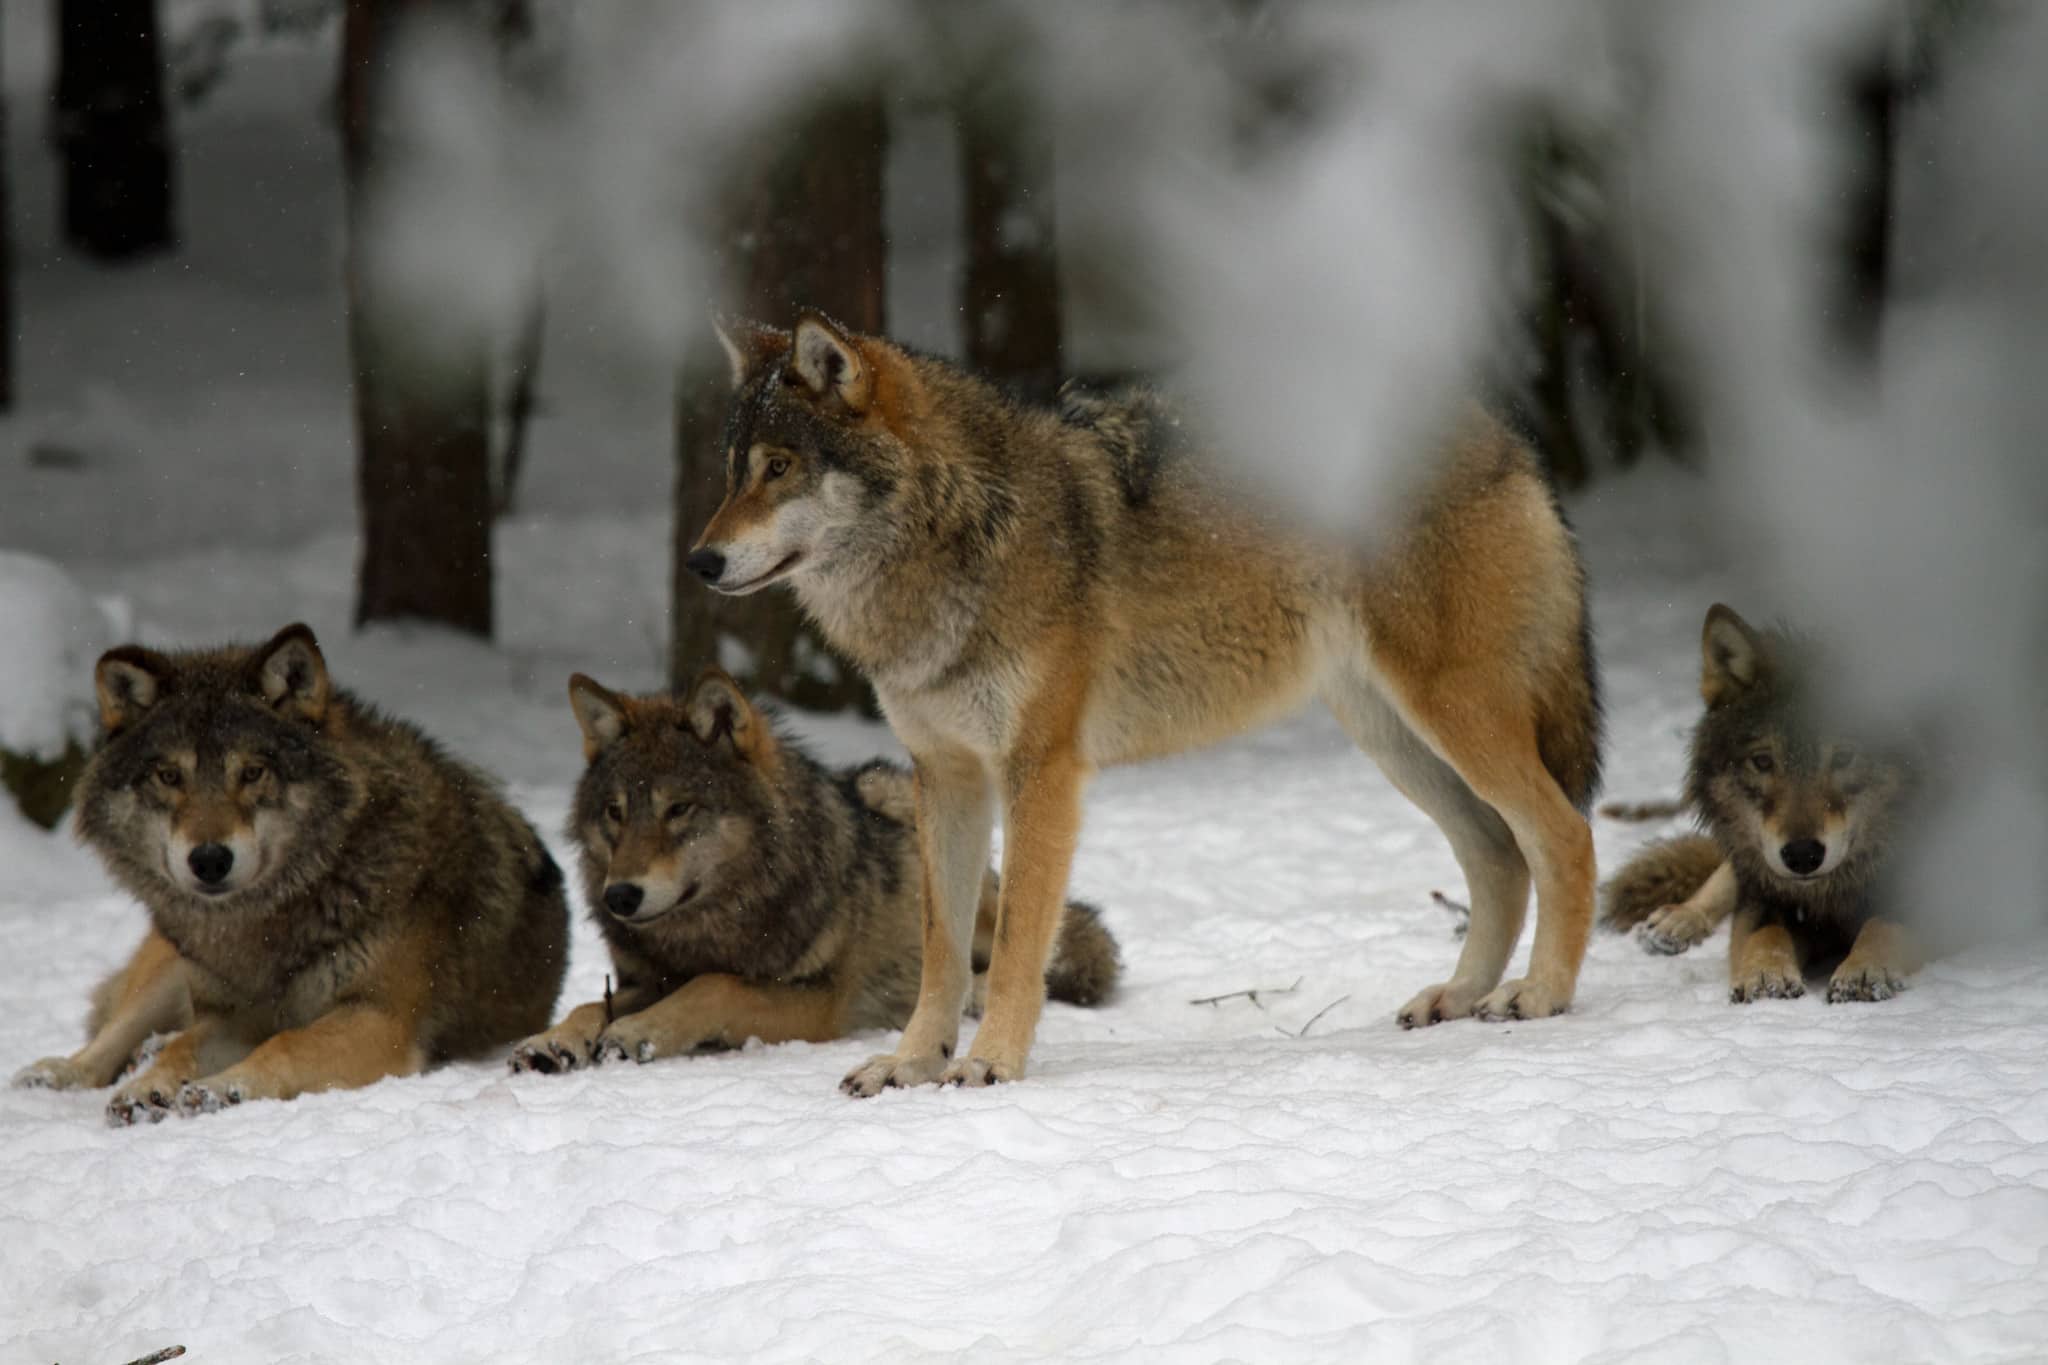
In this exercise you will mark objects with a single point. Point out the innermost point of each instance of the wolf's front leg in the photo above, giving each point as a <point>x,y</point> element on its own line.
<point>721,1009</point>
<point>147,996</point>
<point>152,1096</point>
<point>955,817</point>
<point>1883,956</point>
<point>343,1049</point>
<point>1039,830</point>
<point>568,1045</point>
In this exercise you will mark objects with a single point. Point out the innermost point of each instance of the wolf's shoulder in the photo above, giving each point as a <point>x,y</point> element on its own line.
<point>1139,431</point>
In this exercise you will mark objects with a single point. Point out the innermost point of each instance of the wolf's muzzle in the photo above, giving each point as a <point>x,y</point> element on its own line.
<point>708,565</point>
<point>211,863</point>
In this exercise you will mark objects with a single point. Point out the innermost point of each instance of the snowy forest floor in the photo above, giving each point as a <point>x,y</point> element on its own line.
<point>1657,1174</point>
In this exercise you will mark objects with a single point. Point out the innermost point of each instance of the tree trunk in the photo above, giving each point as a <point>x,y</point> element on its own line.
<point>113,128</point>
<point>422,378</point>
<point>1010,295</point>
<point>6,266</point>
<point>803,230</point>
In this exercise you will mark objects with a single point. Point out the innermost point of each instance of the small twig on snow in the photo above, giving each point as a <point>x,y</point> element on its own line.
<point>1458,908</point>
<point>159,1357</point>
<point>1303,1032</point>
<point>607,999</point>
<point>1252,995</point>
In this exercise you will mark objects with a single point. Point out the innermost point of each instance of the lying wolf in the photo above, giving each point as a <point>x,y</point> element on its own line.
<point>746,891</point>
<point>332,898</point>
<point>1802,808</point>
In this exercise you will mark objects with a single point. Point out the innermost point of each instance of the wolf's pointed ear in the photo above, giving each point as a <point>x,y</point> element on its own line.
<point>824,356</point>
<point>292,675</point>
<point>1732,657</point>
<point>717,709</point>
<point>601,713</point>
<point>128,680</point>
<point>749,346</point>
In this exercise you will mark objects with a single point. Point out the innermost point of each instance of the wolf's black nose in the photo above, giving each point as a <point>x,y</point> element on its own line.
<point>623,898</point>
<point>211,863</point>
<point>1804,855</point>
<point>708,565</point>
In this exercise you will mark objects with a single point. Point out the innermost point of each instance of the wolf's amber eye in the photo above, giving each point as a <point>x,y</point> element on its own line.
<point>678,810</point>
<point>614,812</point>
<point>252,774</point>
<point>1763,763</point>
<point>778,465</point>
<point>169,776</point>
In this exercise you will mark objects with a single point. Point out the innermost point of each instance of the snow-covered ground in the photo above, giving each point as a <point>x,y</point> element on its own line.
<point>1657,1175</point>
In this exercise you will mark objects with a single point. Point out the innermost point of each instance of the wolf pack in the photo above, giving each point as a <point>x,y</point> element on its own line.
<point>1034,593</point>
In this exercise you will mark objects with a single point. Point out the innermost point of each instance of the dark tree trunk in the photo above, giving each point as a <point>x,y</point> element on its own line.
<point>802,229</point>
<point>422,379</point>
<point>1010,295</point>
<point>113,128</point>
<point>1873,96</point>
<point>6,266</point>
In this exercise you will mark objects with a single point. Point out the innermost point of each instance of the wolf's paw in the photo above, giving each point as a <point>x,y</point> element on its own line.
<point>1436,1004</point>
<point>207,1097</point>
<point>1673,929</point>
<point>133,1104</point>
<point>1860,981</point>
<point>1526,998</point>
<point>549,1055</point>
<point>1766,983</point>
<point>53,1073</point>
<point>888,1071</point>
<point>975,1072</point>
<point>630,1040</point>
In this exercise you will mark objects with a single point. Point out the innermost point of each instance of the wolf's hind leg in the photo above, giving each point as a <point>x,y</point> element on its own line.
<point>1484,727</point>
<point>955,819</point>
<point>147,996</point>
<point>1496,877</point>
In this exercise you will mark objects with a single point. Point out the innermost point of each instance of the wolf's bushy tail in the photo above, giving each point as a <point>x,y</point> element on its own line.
<point>1085,959</point>
<point>1663,873</point>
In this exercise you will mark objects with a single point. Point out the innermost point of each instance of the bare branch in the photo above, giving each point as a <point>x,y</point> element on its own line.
<point>1252,995</point>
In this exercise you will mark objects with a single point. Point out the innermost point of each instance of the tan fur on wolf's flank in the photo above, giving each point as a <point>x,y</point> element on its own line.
<point>797,909</point>
<point>401,912</point>
<point>1036,595</point>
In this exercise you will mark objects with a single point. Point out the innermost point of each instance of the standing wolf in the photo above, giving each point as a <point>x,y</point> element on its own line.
<point>1801,811</point>
<point>747,891</point>
<point>332,898</point>
<point>1036,594</point>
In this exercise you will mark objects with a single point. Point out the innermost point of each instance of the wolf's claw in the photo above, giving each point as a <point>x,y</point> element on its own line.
<point>195,1098</point>
<point>126,1110</point>
<point>1864,983</point>
<point>887,1071</point>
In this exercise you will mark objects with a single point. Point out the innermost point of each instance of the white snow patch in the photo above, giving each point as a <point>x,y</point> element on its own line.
<point>53,631</point>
